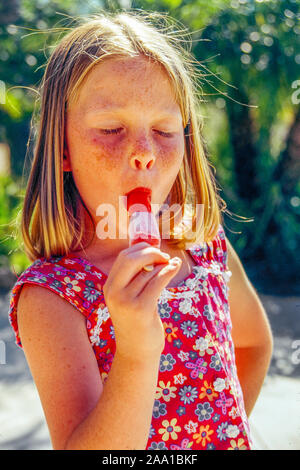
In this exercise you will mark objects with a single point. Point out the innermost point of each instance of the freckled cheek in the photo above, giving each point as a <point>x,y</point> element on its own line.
<point>107,151</point>
<point>171,155</point>
<point>88,160</point>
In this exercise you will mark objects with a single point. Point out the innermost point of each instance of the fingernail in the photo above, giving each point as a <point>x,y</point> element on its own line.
<point>175,260</point>
<point>166,255</point>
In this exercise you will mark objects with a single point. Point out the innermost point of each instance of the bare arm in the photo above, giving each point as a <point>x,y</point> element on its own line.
<point>251,332</point>
<point>122,417</point>
<point>81,413</point>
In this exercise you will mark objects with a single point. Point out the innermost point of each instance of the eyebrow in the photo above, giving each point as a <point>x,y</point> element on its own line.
<point>108,109</point>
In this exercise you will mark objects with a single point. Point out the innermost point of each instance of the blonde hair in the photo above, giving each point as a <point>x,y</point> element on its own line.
<point>54,216</point>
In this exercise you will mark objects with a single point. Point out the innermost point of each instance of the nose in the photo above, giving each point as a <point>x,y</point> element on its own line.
<point>142,157</point>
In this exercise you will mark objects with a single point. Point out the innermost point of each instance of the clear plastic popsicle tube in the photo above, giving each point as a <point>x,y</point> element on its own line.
<point>142,223</point>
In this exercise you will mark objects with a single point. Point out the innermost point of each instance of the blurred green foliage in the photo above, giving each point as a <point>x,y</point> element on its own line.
<point>11,197</point>
<point>248,55</point>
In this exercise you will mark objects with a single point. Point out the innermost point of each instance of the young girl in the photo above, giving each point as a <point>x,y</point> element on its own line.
<point>124,358</point>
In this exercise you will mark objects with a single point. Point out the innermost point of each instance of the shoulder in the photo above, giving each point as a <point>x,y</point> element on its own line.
<point>40,310</point>
<point>46,280</point>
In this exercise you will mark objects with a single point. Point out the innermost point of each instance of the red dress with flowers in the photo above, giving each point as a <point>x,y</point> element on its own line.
<point>198,402</point>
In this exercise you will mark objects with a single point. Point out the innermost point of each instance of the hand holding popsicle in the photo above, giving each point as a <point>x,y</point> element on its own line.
<point>132,297</point>
<point>132,301</point>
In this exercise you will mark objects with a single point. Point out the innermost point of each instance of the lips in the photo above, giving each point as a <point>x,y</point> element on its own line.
<point>139,195</point>
<point>139,188</point>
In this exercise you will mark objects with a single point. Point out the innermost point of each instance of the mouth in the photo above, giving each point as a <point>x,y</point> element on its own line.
<point>145,189</point>
<point>140,194</point>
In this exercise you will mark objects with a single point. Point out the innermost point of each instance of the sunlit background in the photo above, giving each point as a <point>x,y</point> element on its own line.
<point>248,55</point>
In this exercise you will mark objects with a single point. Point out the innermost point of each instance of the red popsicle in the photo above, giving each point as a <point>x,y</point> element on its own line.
<point>142,223</point>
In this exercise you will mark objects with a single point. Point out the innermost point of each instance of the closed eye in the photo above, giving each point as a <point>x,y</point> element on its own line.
<point>165,134</point>
<point>111,131</point>
<point>119,129</point>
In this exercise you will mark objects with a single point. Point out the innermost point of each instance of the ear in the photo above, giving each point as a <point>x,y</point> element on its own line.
<point>66,161</point>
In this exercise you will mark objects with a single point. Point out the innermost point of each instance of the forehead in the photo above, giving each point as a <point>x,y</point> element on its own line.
<point>138,68</point>
<point>123,82</point>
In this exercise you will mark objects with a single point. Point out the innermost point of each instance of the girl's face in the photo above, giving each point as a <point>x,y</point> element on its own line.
<point>125,130</point>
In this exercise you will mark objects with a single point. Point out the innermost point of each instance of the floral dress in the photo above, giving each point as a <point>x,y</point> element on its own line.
<point>198,402</point>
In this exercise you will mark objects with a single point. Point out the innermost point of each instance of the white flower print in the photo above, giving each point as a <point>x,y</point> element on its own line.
<point>215,268</point>
<point>201,344</point>
<point>197,284</point>
<point>191,427</point>
<point>183,356</point>
<point>234,412</point>
<point>70,292</point>
<point>232,430</point>
<point>221,314</point>
<point>190,283</point>
<point>201,272</point>
<point>195,312</point>
<point>221,351</point>
<point>227,275</point>
<point>99,275</point>
<point>227,351</point>
<point>69,261</point>
<point>80,275</point>
<point>179,379</point>
<point>233,386</point>
<point>185,306</point>
<point>102,316</point>
<point>203,288</point>
<point>95,335</point>
<point>219,384</point>
<point>166,295</point>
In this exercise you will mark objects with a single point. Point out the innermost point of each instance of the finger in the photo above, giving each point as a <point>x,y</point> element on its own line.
<point>148,267</point>
<point>139,246</point>
<point>137,284</point>
<point>136,247</point>
<point>130,249</point>
<point>129,264</point>
<point>154,286</point>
